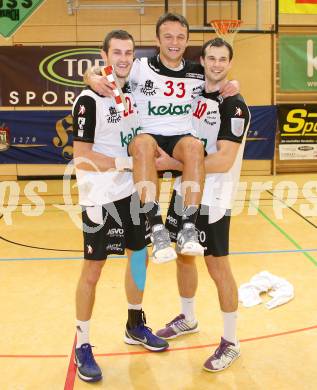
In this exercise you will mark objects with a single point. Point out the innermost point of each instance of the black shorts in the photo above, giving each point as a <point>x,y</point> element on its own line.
<point>107,234</point>
<point>168,142</point>
<point>214,237</point>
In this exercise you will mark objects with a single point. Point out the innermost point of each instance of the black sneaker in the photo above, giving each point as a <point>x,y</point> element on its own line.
<point>143,335</point>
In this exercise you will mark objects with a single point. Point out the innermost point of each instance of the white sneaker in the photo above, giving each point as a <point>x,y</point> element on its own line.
<point>187,241</point>
<point>162,249</point>
<point>223,356</point>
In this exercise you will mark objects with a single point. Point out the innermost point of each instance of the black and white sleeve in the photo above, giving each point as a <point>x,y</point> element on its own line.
<point>235,118</point>
<point>84,119</point>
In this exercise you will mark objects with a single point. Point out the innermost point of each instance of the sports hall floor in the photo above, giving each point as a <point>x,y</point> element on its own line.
<point>40,260</point>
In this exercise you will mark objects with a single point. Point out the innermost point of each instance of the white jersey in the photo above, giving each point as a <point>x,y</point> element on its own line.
<point>215,119</point>
<point>164,96</point>
<point>97,121</point>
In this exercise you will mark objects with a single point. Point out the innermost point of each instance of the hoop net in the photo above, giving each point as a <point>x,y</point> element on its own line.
<point>226,29</point>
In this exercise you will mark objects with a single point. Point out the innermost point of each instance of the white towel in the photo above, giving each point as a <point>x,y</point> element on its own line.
<point>278,288</point>
<point>249,295</point>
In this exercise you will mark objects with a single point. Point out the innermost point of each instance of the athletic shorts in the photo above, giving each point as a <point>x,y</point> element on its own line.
<point>214,237</point>
<point>168,142</point>
<point>109,229</point>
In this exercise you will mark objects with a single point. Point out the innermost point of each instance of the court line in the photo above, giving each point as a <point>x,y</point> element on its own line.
<point>300,330</point>
<point>212,345</point>
<point>286,235</point>
<point>294,211</point>
<point>71,372</point>
<point>273,251</point>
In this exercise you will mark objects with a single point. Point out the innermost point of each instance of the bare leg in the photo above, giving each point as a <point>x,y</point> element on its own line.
<point>86,288</point>
<point>143,151</point>
<point>220,271</point>
<point>187,277</point>
<point>190,152</point>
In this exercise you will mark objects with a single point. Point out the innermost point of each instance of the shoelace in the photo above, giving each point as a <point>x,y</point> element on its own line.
<point>190,234</point>
<point>160,237</point>
<point>175,320</point>
<point>221,350</point>
<point>88,356</point>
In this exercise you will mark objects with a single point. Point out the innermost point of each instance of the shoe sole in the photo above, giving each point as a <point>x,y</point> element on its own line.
<point>198,251</point>
<point>160,260</point>
<point>130,341</point>
<point>86,378</point>
<point>189,253</point>
<point>196,330</point>
<point>222,369</point>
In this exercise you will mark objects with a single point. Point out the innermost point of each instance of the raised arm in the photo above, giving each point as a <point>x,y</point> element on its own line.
<point>97,82</point>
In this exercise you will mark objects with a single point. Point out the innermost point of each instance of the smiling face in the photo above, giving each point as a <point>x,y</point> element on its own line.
<point>217,64</point>
<point>172,41</point>
<point>120,54</point>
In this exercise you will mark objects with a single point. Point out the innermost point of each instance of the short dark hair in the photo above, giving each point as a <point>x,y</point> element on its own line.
<point>217,42</point>
<point>116,34</point>
<point>169,17</point>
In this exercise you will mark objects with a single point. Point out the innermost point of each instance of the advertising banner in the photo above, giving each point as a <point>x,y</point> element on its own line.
<point>298,6</point>
<point>46,137</point>
<point>53,75</point>
<point>260,143</point>
<point>298,62</point>
<point>37,137</point>
<point>13,13</point>
<point>298,131</point>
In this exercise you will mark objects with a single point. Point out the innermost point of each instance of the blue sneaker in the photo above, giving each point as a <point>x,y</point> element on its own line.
<point>142,335</point>
<point>87,368</point>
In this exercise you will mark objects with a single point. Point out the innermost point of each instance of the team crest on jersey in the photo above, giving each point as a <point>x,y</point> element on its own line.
<point>114,116</point>
<point>197,91</point>
<point>148,89</point>
<point>237,126</point>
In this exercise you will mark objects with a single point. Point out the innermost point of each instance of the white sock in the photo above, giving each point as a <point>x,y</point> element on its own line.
<point>230,326</point>
<point>134,307</point>
<point>188,308</point>
<point>82,329</point>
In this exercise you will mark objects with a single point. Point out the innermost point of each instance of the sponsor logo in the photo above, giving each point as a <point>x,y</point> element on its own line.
<point>305,148</point>
<point>126,139</point>
<point>113,116</point>
<point>148,88</point>
<point>114,247</point>
<point>115,232</point>
<point>171,220</point>
<point>81,110</point>
<point>196,91</point>
<point>81,122</point>
<point>238,111</point>
<point>195,76</point>
<point>211,118</point>
<point>204,141</point>
<point>171,109</point>
<point>143,340</point>
<point>300,122</point>
<point>67,67</point>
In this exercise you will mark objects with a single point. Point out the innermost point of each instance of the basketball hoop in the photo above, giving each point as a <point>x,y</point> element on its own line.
<point>226,29</point>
